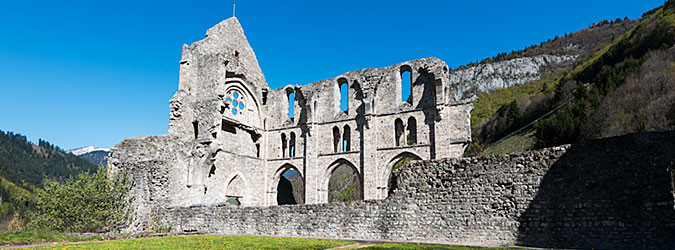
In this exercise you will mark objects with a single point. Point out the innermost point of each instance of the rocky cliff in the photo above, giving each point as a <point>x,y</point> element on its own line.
<point>490,76</point>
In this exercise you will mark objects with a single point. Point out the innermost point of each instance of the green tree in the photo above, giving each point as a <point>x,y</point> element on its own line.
<point>89,202</point>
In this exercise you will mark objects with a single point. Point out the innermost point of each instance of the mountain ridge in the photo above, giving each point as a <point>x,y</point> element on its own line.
<point>529,64</point>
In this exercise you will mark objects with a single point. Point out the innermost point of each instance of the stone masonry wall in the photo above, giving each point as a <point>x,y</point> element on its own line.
<point>609,193</point>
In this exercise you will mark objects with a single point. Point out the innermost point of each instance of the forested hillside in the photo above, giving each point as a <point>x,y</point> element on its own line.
<point>27,165</point>
<point>624,86</point>
<point>23,168</point>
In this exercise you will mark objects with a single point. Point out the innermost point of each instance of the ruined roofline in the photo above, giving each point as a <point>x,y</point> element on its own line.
<point>211,31</point>
<point>410,62</point>
<point>227,42</point>
<point>224,22</point>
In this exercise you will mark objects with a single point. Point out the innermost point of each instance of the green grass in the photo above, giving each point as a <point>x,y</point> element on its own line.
<point>418,246</point>
<point>487,105</point>
<point>209,242</point>
<point>520,142</point>
<point>35,236</point>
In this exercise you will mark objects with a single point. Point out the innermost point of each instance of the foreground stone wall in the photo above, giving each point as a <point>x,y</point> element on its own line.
<point>610,193</point>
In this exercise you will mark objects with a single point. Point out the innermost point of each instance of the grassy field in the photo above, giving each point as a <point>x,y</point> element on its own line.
<point>203,242</point>
<point>36,237</point>
<point>208,242</point>
<point>423,247</point>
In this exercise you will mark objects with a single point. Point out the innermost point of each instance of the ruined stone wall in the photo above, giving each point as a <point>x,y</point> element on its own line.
<point>374,104</point>
<point>230,138</point>
<point>610,193</point>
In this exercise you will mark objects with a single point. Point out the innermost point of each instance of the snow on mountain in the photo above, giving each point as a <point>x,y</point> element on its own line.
<point>85,150</point>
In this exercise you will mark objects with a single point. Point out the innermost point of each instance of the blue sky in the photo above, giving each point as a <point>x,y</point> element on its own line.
<point>83,73</point>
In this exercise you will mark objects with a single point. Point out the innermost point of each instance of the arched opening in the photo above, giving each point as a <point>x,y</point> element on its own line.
<point>344,184</point>
<point>398,131</point>
<point>406,84</point>
<point>336,139</point>
<point>411,138</point>
<point>291,105</point>
<point>235,191</point>
<point>291,146</point>
<point>291,187</point>
<point>283,145</point>
<point>344,95</point>
<point>395,164</point>
<point>241,104</point>
<point>346,139</point>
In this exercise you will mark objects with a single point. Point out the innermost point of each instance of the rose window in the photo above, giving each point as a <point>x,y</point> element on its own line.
<point>235,101</point>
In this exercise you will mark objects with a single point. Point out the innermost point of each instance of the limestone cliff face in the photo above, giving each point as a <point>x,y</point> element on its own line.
<point>491,76</point>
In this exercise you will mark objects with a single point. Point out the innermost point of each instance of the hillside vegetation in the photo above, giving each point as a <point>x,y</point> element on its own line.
<point>595,97</point>
<point>27,165</point>
<point>25,169</point>
<point>606,72</point>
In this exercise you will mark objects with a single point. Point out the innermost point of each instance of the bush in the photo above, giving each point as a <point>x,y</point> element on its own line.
<point>562,128</point>
<point>90,202</point>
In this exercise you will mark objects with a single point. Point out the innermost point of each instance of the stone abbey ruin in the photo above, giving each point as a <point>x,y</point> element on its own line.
<point>232,141</point>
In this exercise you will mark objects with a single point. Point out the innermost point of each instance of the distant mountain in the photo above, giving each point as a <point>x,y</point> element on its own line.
<point>92,154</point>
<point>85,150</point>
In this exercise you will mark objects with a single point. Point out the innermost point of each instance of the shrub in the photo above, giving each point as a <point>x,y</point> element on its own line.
<point>90,202</point>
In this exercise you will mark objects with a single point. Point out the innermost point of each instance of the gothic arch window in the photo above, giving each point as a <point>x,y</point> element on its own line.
<point>240,104</point>
<point>291,146</point>
<point>283,145</point>
<point>411,138</point>
<point>406,84</point>
<point>291,105</point>
<point>336,139</point>
<point>398,131</point>
<point>344,94</point>
<point>195,128</point>
<point>346,139</point>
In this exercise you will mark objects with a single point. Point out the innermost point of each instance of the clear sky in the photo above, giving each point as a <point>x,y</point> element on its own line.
<point>80,73</point>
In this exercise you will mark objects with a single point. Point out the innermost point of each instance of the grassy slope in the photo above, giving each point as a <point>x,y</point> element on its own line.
<point>520,142</point>
<point>487,104</point>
